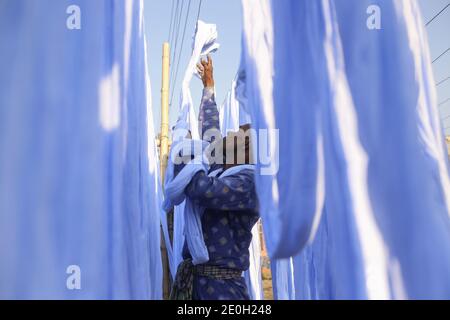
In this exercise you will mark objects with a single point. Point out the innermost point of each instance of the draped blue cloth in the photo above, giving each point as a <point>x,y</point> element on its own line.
<point>360,142</point>
<point>78,164</point>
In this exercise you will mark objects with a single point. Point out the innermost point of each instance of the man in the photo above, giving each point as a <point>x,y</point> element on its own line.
<point>231,211</point>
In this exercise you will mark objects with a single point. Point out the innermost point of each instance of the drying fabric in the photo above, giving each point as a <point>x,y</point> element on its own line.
<point>407,176</point>
<point>283,279</point>
<point>232,114</point>
<point>253,276</point>
<point>288,232</point>
<point>80,194</point>
<point>204,43</point>
<point>365,143</point>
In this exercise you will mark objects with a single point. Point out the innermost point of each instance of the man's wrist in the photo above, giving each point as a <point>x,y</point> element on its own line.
<point>208,93</point>
<point>209,90</point>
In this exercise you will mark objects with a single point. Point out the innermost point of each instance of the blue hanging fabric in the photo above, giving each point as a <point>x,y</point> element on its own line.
<point>283,285</point>
<point>364,143</point>
<point>288,233</point>
<point>407,175</point>
<point>80,197</point>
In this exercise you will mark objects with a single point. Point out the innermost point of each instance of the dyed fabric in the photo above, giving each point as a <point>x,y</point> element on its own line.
<point>78,168</point>
<point>369,148</point>
<point>283,279</point>
<point>204,43</point>
<point>232,114</point>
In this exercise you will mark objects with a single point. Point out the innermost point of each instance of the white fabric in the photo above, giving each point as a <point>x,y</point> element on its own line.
<point>253,275</point>
<point>283,279</point>
<point>204,42</point>
<point>232,112</point>
<point>288,232</point>
<point>240,89</point>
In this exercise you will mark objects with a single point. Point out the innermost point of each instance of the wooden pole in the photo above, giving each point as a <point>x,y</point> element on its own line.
<point>164,151</point>
<point>163,154</point>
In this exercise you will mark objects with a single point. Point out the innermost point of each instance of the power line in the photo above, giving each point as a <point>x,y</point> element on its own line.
<point>441,82</point>
<point>443,102</point>
<point>176,28</point>
<point>174,77</point>
<point>181,48</point>
<point>173,25</point>
<point>199,9</point>
<point>174,54</point>
<point>441,55</point>
<point>438,14</point>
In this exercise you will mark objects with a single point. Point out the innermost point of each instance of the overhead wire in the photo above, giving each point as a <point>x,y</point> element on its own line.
<point>437,15</point>
<point>442,81</point>
<point>171,21</point>
<point>443,102</point>
<point>175,47</point>
<point>441,55</point>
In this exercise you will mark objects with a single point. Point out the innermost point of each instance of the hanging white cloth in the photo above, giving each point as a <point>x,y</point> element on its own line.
<point>204,42</point>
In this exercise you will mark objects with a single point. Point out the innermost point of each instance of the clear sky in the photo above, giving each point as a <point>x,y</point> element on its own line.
<point>226,14</point>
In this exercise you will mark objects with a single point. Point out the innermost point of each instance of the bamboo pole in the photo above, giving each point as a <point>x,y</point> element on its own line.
<point>164,151</point>
<point>163,154</point>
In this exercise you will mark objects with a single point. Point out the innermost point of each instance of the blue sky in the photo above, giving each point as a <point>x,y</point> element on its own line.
<point>227,15</point>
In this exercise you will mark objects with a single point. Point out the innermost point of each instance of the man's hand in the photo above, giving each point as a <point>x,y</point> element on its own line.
<point>205,69</point>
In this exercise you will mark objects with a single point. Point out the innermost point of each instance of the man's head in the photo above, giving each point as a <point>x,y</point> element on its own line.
<point>237,147</point>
